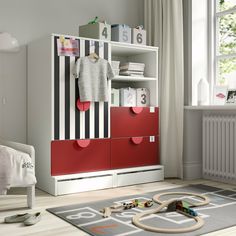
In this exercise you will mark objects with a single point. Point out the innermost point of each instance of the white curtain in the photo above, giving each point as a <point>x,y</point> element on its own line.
<point>163,20</point>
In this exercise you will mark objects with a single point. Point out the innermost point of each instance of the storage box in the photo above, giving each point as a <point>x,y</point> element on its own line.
<point>116,72</point>
<point>142,97</point>
<point>128,97</point>
<point>115,97</point>
<point>121,33</point>
<point>97,31</point>
<point>115,65</point>
<point>139,36</point>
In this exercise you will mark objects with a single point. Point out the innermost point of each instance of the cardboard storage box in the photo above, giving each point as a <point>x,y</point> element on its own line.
<point>128,97</point>
<point>121,33</point>
<point>115,65</point>
<point>96,31</point>
<point>115,97</point>
<point>139,36</point>
<point>142,97</point>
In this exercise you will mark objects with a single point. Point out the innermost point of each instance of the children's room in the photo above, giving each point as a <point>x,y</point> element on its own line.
<point>118,117</point>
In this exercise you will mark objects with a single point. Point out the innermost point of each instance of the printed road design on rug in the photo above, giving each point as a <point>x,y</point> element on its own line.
<point>219,214</point>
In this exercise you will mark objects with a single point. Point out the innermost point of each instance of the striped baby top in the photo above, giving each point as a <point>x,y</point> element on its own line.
<point>93,75</point>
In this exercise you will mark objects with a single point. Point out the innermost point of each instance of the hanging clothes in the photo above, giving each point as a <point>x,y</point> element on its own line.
<point>92,77</point>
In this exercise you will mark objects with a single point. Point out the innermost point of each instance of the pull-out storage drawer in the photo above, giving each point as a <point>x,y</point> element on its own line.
<point>135,151</point>
<point>76,156</point>
<point>128,121</point>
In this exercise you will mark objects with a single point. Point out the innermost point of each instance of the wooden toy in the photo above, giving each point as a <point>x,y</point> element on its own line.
<point>181,207</point>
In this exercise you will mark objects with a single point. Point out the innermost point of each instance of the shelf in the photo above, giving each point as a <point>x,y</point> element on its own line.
<point>126,49</point>
<point>132,78</point>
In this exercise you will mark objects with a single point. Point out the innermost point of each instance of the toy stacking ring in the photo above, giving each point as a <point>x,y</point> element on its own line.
<point>199,221</point>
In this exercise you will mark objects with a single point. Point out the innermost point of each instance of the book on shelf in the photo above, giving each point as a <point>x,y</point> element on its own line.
<point>131,74</point>
<point>132,66</point>
<point>124,72</point>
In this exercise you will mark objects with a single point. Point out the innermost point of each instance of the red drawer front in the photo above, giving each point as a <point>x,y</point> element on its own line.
<point>126,123</point>
<point>70,157</point>
<point>126,152</point>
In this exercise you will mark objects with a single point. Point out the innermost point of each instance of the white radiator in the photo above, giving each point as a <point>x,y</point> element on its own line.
<point>219,147</point>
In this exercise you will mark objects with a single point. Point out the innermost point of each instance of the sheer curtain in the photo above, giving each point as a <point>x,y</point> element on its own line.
<point>163,20</point>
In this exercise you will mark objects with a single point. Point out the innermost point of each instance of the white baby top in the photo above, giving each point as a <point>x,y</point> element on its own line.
<point>92,77</point>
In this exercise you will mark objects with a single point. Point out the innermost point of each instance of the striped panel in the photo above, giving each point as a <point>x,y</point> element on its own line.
<point>69,122</point>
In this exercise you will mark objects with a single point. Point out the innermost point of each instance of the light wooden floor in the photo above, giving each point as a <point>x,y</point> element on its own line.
<point>15,203</point>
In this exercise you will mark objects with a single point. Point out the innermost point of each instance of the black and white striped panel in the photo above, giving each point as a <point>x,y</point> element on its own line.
<point>69,122</point>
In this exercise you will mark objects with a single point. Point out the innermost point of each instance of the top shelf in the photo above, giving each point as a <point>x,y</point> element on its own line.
<point>126,49</point>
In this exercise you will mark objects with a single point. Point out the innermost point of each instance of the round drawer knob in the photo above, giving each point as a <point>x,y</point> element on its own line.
<point>137,110</point>
<point>82,106</point>
<point>137,140</point>
<point>83,143</point>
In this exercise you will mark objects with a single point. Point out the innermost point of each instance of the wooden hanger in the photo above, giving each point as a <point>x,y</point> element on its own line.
<point>93,55</point>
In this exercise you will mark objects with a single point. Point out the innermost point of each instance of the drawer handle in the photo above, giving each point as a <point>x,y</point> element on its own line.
<point>82,106</point>
<point>83,143</point>
<point>137,140</point>
<point>136,110</point>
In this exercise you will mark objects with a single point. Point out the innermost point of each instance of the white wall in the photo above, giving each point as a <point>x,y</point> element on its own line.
<point>13,95</point>
<point>28,20</point>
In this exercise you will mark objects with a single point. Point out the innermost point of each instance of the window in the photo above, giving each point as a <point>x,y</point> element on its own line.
<point>225,43</point>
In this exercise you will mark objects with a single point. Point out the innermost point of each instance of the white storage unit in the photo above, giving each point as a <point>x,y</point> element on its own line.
<point>56,128</point>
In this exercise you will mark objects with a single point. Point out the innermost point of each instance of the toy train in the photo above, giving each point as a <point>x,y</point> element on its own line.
<point>184,207</point>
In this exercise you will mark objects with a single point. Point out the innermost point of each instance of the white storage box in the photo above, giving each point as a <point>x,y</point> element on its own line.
<point>139,36</point>
<point>96,31</point>
<point>121,33</point>
<point>116,72</point>
<point>128,97</point>
<point>142,97</point>
<point>115,97</point>
<point>115,65</point>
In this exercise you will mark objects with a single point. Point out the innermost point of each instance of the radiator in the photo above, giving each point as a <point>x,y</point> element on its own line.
<point>219,147</point>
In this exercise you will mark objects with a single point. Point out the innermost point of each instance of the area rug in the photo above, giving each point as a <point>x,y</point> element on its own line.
<point>219,214</point>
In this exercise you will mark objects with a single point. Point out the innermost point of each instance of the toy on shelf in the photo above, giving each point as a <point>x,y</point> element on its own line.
<point>94,21</point>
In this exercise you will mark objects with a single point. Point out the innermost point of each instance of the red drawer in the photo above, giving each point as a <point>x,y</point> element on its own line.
<point>126,123</point>
<point>126,152</point>
<point>70,157</point>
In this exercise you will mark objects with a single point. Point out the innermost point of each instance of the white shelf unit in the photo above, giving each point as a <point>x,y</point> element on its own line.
<point>41,56</point>
<point>142,54</point>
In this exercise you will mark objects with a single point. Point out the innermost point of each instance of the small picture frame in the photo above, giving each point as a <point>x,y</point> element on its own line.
<point>219,95</point>
<point>231,96</point>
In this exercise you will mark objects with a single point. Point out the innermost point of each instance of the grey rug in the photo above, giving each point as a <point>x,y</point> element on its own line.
<point>219,214</point>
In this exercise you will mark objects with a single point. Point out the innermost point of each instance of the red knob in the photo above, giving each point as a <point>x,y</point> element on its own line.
<point>82,106</point>
<point>137,110</point>
<point>137,140</point>
<point>83,143</point>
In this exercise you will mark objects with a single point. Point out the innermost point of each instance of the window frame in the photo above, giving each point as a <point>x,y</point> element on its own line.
<point>213,36</point>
